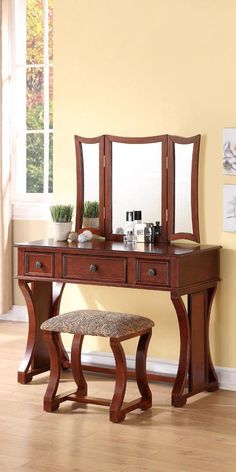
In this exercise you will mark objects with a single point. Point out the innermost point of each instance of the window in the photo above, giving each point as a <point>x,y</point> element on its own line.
<point>32,94</point>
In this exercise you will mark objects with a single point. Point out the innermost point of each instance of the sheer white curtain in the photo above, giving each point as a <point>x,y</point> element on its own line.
<point>5,206</point>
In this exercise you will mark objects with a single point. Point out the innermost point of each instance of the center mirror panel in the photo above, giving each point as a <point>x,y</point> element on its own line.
<point>137,175</point>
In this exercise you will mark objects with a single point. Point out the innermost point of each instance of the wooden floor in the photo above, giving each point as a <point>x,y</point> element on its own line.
<point>198,437</point>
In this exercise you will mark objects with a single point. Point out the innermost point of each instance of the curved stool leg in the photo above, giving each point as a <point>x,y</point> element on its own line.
<point>76,364</point>
<point>141,372</point>
<point>116,414</point>
<point>50,403</point>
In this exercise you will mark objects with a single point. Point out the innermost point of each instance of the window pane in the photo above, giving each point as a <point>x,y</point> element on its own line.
<point>34,25</point>
<point>50,98</point>
<point>34,98</point>
<point>50,30</point>
<point>50,177</point>
<point>34,163</point>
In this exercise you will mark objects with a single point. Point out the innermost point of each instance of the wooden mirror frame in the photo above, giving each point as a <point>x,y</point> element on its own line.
<point>79,140</point>
<point>109,139</point>
<point>168,184</point>
<point>172,235</point>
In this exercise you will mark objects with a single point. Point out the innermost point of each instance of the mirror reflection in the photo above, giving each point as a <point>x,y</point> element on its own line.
<point>183,172</point>
<point>91,184</point>
<point>136,182</point>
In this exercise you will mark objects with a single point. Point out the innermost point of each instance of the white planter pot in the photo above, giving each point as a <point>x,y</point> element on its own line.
<point>61,230</point>
<point>90,222</point>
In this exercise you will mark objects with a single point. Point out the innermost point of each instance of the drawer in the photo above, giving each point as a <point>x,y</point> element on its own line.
<point>152,272</point>
<point>104,269</point>
<point>39,264</point>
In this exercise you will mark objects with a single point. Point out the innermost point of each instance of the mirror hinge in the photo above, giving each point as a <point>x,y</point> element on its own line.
<point>104,161</point>
<point>166,214</point>
<point>104,213</point>
<point>166,162</point>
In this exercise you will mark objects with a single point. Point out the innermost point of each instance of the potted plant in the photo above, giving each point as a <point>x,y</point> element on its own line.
<point>62,220</point>
<point>91,214</point>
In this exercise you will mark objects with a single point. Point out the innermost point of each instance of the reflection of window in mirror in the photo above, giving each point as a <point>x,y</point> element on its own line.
<point>91,184</point>
<point>136,182</point>
<point>91,171</point>
<point>183,173</point>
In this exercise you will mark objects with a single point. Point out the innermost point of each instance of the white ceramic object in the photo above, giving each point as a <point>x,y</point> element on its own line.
<point>61,230</point>
<point>82,238</point>
<point>88,234</point>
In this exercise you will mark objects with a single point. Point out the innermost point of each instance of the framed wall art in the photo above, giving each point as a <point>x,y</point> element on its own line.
<point>229,223</point>
<point>229,151</point>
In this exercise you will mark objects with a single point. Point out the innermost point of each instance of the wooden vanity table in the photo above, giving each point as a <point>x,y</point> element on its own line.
<point>44,267</point>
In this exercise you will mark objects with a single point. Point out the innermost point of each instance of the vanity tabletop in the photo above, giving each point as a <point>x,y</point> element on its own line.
<point>102,245</point>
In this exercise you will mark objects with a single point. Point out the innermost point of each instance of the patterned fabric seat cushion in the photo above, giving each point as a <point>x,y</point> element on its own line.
<point>98,323</point>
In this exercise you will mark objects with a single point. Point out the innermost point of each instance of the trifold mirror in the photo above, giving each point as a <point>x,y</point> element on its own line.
<point>157,175</point>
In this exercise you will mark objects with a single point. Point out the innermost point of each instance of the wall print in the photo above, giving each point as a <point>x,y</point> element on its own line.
<point>229,151</point>
<point>229,208</point>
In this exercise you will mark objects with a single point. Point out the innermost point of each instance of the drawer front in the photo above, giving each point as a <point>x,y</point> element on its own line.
<point>104,269</point>
<point>38,264</point>
<point>152,272</point>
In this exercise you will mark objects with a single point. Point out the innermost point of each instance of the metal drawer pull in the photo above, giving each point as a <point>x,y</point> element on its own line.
<point>92,268</point>
<point>152,272</point>
<point>38,265</point>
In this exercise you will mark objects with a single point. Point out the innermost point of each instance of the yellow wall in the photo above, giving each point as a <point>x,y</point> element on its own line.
<point>135,67</point>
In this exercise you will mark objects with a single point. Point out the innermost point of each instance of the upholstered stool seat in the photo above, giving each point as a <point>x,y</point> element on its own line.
<point>118,327</point>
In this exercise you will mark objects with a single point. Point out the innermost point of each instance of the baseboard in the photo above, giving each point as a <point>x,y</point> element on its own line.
<point>226,376</point>
<point>17,313</point>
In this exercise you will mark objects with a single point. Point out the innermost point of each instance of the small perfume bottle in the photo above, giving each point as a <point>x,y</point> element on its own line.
<point>139,226</point>
<point>157,228</point>
<point>129,237</point>
<point>149,233</point>
<point>129,221</point>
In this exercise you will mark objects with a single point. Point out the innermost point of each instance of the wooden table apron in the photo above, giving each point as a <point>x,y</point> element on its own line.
<point>45,266</point>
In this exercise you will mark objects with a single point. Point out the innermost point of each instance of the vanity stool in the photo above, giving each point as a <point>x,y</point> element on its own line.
<point>118,327</point>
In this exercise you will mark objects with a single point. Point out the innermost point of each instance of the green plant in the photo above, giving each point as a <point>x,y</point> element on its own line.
<point>61,213</point>
<point>91,209</point>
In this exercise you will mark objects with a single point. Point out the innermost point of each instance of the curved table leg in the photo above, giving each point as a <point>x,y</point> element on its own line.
<point>211,374</point>
<point>196,372</point>
<point>58,288</point>
<point>178,398</point>
<point>42,301</point>
<point>50,401</point>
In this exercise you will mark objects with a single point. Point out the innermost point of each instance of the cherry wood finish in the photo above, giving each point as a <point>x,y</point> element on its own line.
<point>167,184</point>
<point>79,140</point>
<point>108,181</point>
<point>181,269</point>
<point>118,408</point>
<point>172,234</point>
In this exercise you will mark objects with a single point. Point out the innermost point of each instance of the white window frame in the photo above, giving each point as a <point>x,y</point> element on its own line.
<point>32,206</point>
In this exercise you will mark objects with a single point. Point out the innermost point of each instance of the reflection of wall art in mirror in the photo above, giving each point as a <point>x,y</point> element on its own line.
<point>229,151</point>
<point>229,223</point>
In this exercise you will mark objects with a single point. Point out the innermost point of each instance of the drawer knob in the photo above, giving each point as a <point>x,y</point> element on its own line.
<point>152,272</point>
<point>92,268</point>
<point>38,265</point>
